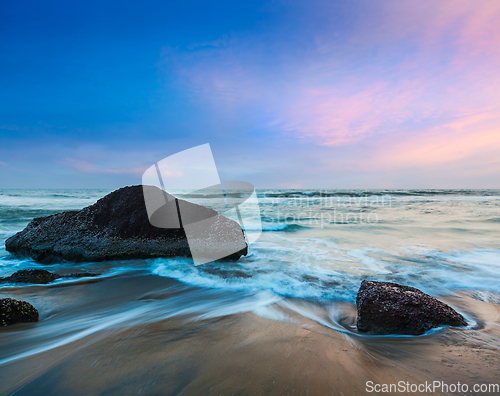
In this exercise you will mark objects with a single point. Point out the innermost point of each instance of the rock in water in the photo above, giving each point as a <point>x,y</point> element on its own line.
<point>14,311</point>
<point>40,276</point>
<point>389,308</point>
<point>117,227</point>
<point>32,276</point>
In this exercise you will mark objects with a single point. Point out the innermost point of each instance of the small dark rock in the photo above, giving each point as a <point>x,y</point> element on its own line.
<point>14,311</point>
<point>389,308</point>
<point>38,276</point>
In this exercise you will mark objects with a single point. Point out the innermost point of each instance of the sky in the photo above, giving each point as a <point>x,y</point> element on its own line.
<point>289,94</point>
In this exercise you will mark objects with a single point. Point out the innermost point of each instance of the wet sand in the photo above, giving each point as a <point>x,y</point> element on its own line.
<point>155,352</point>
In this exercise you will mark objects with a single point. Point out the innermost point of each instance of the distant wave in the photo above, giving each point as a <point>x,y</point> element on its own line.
<point>370,193</point>
<point>213,195</point>
<point>64,196</point>
<point>343,193</point>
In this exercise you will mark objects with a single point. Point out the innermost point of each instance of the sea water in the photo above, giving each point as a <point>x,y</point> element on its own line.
<point>320,244</point>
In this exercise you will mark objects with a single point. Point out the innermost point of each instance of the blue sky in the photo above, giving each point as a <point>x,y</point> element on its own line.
<point>316,94</point>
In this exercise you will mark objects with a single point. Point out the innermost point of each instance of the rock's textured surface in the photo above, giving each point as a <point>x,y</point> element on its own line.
<point>116,227</point>
<point>14,311</point>
<point>40,276</point>
<point>389,308</point>
<point>31,276</point>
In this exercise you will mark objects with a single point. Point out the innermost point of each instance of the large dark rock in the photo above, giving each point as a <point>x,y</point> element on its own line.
<point>14,311</point>
<point>117,227</point>
<point>40,276</point>
<point>389,308</point>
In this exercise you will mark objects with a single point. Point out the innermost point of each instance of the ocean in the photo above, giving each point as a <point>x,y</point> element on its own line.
<point>319,244</point>
<point>315,248</point>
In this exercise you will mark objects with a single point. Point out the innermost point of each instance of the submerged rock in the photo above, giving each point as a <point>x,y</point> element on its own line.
<point>14,311</point>
<point>40,276</point>
<point>117,227</point>
<point>32,276</point>
<point>389,308</point>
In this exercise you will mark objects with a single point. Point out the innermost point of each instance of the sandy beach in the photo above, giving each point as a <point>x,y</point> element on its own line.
<point>312,349</point>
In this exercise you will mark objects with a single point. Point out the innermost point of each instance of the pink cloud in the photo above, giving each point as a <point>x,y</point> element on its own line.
<point>424,86</point>
<point>340,116</point>
<point>469,145</point>
<point>474,138</point>
<point>417,81</point>
<point>3,163</point>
